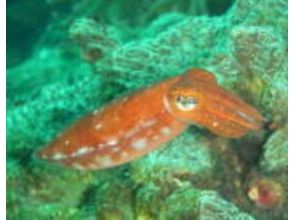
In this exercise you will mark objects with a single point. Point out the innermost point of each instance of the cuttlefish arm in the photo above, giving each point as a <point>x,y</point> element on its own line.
<point>197,99</point>
<point>134,125</point>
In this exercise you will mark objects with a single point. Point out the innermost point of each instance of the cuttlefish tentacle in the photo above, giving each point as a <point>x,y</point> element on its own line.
<point>134,125</point>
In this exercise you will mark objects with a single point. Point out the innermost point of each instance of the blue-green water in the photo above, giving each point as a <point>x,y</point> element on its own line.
<point>67,58</point>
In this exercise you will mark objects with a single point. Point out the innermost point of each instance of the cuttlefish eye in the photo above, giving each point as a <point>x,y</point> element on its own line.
<point>186,103</point>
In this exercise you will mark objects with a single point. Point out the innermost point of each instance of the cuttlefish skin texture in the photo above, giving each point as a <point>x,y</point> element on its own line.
<point>134,125</point>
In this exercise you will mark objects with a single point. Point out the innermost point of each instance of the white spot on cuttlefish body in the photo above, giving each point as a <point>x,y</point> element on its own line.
<point>124,154</point>
<point>149,123</point>
<point>104,160</point>
<point>59,156</point>
<point>166,131</point>
<point>82,151</point>
<point>115,149</point>
<point>140,144</point>
<point>112,142</point>
<point>215,124</point>
<point>132,132</point>
<point>66,142</point>
<point>142,127</point>
<point>97,127</point>
<point>101,146</point>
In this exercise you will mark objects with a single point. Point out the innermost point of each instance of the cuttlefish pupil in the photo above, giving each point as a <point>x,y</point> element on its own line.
<point>186,103</point>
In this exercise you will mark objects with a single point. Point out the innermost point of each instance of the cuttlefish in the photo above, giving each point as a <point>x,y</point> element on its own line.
<point>136,124</point>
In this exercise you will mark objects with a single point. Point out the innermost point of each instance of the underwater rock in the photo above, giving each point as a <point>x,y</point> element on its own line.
<point>51,105</point>
<point>95,40</point>
<point>186,203</point>
<point>264,13</point>
<point>187,155</point>
<point>259,50</point>
<point>163,54</point>
<point>212,206</point>
<point>47,66</point>
<point>44,91</point>
<point>151,59</point>
<point>274,99</point>
<point>48,192</point>
<point>261,55</point>
<point>275,156</point>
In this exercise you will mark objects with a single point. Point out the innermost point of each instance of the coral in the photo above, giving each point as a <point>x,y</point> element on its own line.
<point>265,193</point>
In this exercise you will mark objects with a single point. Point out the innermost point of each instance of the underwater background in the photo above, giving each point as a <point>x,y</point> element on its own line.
<point>66,58</point>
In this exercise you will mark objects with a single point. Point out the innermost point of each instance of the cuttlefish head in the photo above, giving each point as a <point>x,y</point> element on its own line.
<point>197,99</point>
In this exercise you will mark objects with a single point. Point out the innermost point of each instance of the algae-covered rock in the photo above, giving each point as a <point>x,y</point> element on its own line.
<point>188,155</point>
<point>212,206</point>
<point>42,192</point>
<point>261,54</point>
<point>275,156</point>
<point>261,50</point>
<point>186,202</point>
<point>271,13</point>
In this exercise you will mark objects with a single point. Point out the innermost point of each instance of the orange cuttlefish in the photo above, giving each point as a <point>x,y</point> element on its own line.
<point>134,125</point>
